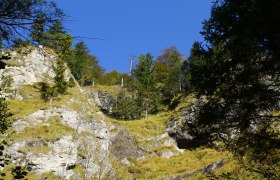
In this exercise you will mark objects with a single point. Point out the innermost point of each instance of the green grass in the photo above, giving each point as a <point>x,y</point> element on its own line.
<point>30,176</point>
<point>22,108</point>
<point>29,91</point>
<point>79,169</point>
<point>43,133</point>
<point>188,162</point>
<point>142,129</point>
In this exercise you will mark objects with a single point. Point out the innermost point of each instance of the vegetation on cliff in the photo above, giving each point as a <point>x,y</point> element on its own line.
<point>221,104</point>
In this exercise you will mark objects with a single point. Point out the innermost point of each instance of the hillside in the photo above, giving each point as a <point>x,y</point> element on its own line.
<point>71,138</point>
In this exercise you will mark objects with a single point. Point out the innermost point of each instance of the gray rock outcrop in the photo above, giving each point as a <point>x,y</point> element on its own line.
<point>123,146</point>
<point>64,152</point>
<point>84,142</point>
<point>181,123</point>
<point>103,100</point>
<point>28,66</point>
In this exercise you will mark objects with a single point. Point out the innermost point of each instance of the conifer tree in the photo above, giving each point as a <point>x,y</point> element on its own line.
<point>238,71</point>
<point>64,55</point>
<point>84,66</point>
<point>18,18</point>
<point>146,82</point>
<point>38,29</point>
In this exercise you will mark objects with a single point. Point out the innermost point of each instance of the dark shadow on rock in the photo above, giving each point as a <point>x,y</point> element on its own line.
<point>2,65</point>
<point>124,146</point>
<point>106,102</point>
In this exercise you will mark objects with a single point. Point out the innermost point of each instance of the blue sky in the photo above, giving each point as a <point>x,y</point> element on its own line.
<point>133,27</point>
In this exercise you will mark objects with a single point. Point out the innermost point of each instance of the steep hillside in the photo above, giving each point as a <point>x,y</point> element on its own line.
<point>71,138</point>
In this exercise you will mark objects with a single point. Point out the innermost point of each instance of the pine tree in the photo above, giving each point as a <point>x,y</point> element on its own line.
<point>54,35</point>
<point>238,71</point>
<point>84,66</point>
<point>18,18</point>
<point>38,29</point>
<point>146,82</point>
<point>64,55</point>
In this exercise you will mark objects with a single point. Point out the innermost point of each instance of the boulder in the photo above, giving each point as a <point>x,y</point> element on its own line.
<point>123,146</point>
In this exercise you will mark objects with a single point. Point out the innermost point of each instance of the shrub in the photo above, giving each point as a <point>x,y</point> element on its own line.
<point>127,106</point>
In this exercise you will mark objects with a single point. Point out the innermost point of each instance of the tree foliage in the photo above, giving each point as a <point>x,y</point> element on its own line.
<point>238,70</point>
<point>85,67</point>
<point>18,16</point>
<point>168,68</point>
<point>146,82</point>
<point>4,116</point>
<point>127,106</point>
<point>64,55</point>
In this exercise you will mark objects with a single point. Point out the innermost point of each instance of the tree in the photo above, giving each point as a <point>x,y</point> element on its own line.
<point>168,71</point>
<point>238,69</point>
<point>55,33</point>
<point>127,106</point>
<point>4,115</point>
<point>38,29</point>
<point>241,66</point>
<point>64,55</point>
<point>146,82</point>
<point>84,66</point>
<point>112,78</point>
<point>18,16</point>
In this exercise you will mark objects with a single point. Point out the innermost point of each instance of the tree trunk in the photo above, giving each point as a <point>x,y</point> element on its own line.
<point>146,114</point>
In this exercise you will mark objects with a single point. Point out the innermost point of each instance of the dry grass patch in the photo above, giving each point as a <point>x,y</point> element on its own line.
<point>143,129</point>
<point>52,132</point>
<point>188,162</point>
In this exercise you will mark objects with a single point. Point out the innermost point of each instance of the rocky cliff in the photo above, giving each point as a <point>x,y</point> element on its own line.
<point>70,133</point>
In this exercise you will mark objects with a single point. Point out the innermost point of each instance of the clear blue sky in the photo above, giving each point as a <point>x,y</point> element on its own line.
<point>133,27</point>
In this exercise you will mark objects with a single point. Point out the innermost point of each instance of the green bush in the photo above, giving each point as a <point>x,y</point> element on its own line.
<point>127,106</point>
<point>47,91</point>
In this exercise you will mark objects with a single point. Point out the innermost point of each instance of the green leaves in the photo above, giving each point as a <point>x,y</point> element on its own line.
<point>127,106</point>
<point>4,115</point>
<point>64,54</point>
<point>145,73</point>
<point>84,66</point>
<point>238,71</point>
<point>168,69</point>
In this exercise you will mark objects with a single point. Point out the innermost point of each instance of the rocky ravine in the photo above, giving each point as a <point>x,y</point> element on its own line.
<point>71,137</point>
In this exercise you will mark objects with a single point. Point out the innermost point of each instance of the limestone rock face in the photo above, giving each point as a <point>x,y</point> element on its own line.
<point>185,121</point>
<point>34,67</point>
<point>181,123</point>
<point>184,124</point>
<point>66,135</point>
<point>88,136</point>
<point>28,66</point>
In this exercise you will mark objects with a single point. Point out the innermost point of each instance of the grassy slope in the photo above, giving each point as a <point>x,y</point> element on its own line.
<point>146,133</point>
